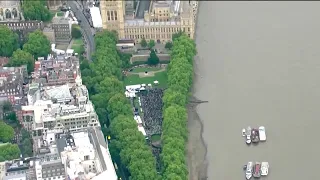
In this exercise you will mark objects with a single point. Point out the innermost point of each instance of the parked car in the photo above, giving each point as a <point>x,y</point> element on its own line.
<point>264,168</point>
<point>255,135</point>
<point>262,133</point>
<point>249,170</point>
<point>257,170</point>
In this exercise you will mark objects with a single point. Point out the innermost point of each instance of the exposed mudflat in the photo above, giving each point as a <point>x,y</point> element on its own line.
<point>258,63</point>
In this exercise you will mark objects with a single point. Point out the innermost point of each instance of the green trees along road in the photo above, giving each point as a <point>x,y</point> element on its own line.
<point>174,125</point>
<point>8,151</point>
<point>103,79</point>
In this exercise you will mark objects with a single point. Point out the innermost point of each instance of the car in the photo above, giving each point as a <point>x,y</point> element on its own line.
<point>262,133</point>
<point>248,137</point>
<point>264,168</point>
<point>255,135</point>
<point>249,170</point>
<point>257,170</point>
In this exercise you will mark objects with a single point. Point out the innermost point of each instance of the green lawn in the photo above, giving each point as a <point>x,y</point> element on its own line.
<point>60,14</point>
<point>77,45</point>
<point>135,79</point>
<point>143,69</point>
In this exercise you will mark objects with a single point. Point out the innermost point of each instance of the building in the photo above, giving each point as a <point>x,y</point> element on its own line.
<point>153,20</point>
<point>23,28</point>
<point>56,70</point>
<point>10,10</point>
<point>58,108</point>
<point>62,29</point>
<point>55,4</point>
<point>21,169</point>
<point>11,83</point>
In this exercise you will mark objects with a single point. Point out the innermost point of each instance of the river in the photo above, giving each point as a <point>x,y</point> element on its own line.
<point>258,63</point>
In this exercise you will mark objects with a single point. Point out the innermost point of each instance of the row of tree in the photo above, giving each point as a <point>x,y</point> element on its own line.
<point>103,79</point>
<point>175,99</point>
<point>37,45</point>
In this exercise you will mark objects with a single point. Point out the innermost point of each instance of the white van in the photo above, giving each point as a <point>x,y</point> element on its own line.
<point>249,170</point>
<point>262,133</point>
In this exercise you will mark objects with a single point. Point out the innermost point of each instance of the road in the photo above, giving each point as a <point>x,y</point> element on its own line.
<point>85,26</point>
<point>258,64</point>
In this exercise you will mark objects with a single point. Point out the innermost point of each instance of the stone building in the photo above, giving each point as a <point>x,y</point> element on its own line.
<point>10,10</point>
<point>154,20</point>
<point>62,29</point>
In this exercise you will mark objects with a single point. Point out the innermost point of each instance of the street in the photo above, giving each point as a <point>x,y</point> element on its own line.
<point>84,24</point>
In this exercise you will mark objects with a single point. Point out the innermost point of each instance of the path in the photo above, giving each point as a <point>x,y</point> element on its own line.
<point>139,73</point>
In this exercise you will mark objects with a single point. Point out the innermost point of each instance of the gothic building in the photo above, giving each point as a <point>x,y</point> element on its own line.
<point>10,10</point>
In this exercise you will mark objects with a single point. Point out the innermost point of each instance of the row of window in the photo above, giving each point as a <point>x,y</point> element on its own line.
<point>21,24</point>
<point>112,15</point>
<point>155,30</point>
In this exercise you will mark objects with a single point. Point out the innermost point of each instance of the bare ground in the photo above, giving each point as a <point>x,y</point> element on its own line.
<point>197,149</point>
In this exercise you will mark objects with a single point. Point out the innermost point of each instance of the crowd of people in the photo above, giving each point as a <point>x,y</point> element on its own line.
<point>151,102</point>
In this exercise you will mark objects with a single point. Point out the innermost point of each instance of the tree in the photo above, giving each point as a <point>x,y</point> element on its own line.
<point>8,41</point>
<point>6,106</point>
<point>153,58</point>
<point>168,45</point>
<point>35,10</point>
<point>176,35</point>
<point>21,57</point>
<point>76,31</point>
<point>143,43</point>
<point>152,43</point>
<point>6,133</point>
<point>9,152</point>
<point>37,44</point>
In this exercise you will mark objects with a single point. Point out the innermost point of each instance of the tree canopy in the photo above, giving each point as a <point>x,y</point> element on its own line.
<point>151,43</point>
<point>103,78</point>
<point>174,125</point>
<point>8,41</point>
<point>21,57</point>
<point>37,44</point>
<point>143,43</point>
<point>76,31</point>
<point>6,133</point>
<point>35,10</point>
<point>153,58</point>
<point>9,152</point>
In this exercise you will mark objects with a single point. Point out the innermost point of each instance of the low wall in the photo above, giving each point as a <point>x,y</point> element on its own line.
<point>137,58</point>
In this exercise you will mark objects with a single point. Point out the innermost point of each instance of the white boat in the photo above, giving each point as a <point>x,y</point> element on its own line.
<point>264,168</point>
<point>249,170</point>
<point>262,133</point>
<point>248,133</point>
<point>243,132</point>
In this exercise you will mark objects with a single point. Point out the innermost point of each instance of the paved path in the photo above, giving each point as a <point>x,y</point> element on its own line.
<point>139,73</point>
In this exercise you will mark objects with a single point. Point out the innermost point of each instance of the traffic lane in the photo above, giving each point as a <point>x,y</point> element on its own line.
<point>84,26</point>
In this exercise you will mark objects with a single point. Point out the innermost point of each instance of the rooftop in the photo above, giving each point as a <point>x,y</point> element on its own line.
<point>60,20</point>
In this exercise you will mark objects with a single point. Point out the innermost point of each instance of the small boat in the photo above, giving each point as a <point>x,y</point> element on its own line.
<point>243,132</point>
<point>249,170</point>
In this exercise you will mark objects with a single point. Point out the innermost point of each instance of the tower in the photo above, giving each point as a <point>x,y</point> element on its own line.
<point>112,14</point>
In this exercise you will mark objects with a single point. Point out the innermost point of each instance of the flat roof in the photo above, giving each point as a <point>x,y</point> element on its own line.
<point>96,17</point>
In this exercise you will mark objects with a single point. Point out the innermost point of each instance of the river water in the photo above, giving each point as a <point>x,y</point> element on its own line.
<point>259,64</point>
